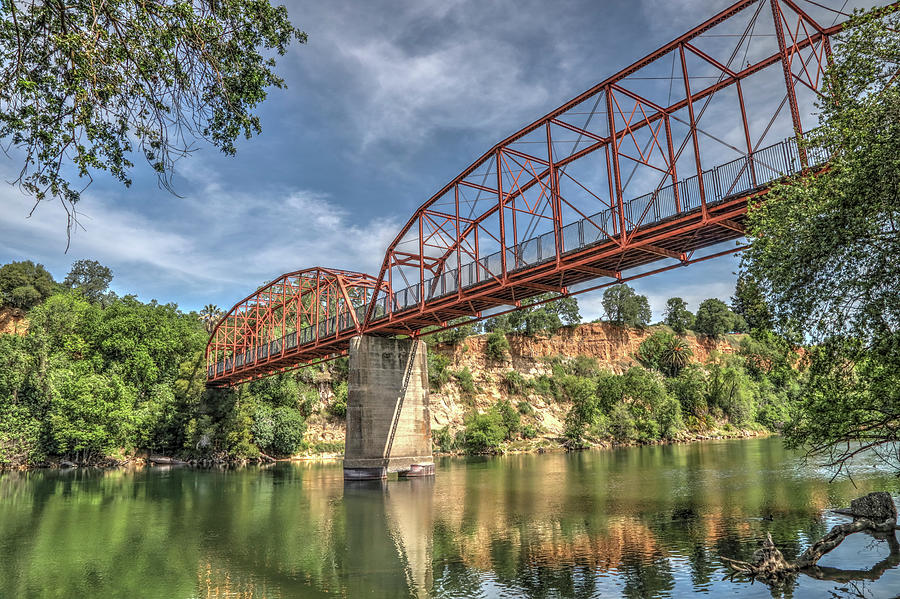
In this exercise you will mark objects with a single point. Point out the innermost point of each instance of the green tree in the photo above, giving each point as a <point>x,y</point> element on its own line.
<point>463,329</point>
<point>496,346</point>
<point>210,316</point>
<point>825,245</point>
<point>750,304</point>
<point>714,319</point>
<point>87,85</point>
<point>678,316</point>
<point>89,278</point>
<point>665,352</point>
<point>533,319</point>
<point>484,432</point>
<point>25,284</point>
<point>624,307</point>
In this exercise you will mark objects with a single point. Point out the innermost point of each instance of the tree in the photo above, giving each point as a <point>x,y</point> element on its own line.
<point>532,319</point>
<point>678,316</point>
<point>624,307</point>
<point>87,85</point>
<point>665,352</point>
<point>209,316</point>
<point>25,284</point>
<point>714,319</point>
<point>750,304</point>
<point>825,245</point>
<point>496,346</point>
<point>90,278</point>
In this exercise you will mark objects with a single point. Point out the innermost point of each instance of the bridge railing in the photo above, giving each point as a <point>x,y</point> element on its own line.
<point>734,178</point>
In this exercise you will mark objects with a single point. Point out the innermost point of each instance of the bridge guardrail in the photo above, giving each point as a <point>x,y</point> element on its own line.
<point>720,183</point>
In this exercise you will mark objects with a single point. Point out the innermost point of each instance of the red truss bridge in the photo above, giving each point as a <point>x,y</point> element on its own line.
<point>651,169</point>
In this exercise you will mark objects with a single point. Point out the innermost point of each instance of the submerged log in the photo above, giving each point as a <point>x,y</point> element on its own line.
<point>164,460</point>
<point>874,513</point>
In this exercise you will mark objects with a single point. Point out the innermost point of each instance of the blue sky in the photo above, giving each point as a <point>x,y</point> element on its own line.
<point>385,104</point>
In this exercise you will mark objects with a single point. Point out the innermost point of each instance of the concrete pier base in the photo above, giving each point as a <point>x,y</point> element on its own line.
<point>388,422</point>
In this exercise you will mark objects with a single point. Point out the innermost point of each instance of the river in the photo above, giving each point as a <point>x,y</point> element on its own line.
<point>636,522</point>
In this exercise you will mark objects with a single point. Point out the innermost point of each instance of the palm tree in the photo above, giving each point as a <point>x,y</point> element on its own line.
<point>675,355</point>
<point>210,315</point>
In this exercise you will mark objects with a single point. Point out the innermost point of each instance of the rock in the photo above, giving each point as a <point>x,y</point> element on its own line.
<point>877,507</point>
<point>67,464</point>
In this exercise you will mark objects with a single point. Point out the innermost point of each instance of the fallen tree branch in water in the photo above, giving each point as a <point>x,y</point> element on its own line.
<point>873,513</point>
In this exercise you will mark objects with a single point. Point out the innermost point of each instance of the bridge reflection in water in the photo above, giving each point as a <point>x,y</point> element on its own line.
<point>639,522</point>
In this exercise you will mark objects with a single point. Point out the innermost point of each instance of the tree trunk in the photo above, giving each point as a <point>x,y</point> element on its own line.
<point>874,513</point>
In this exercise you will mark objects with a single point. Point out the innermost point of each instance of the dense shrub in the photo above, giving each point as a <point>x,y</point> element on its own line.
<point>278,430</point>
<point>465,380</point>
<point>514,383</point>
<point>689,389</point>
<point>438,370</point>
<point>484,432</point>
<point>665,352</point>
<point>338,406</point>
<point>496,346</point>
<point>443,439</point>
<point>510,418</point>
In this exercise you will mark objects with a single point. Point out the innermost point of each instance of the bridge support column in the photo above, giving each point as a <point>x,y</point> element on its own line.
<point>388,422</point>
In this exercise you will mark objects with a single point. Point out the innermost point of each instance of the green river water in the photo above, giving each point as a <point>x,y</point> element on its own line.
<point>636,522</point>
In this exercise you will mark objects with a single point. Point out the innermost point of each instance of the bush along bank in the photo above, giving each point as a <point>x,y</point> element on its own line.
<point>664,395</point>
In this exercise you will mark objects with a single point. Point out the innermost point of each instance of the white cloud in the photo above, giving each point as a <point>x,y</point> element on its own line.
<point>210,243</point>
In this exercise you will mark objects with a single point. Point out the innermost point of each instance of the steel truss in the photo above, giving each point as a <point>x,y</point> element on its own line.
<point>657,162</point>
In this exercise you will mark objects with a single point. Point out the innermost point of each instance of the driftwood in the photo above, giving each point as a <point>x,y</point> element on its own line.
<point>164,460</point>
<point>874,514</point>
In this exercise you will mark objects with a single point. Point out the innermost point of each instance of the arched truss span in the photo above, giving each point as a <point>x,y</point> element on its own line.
<point>299,318</point>
<point>655,163</point>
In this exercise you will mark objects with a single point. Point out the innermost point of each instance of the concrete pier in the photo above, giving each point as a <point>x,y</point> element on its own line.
<point>388,422</point>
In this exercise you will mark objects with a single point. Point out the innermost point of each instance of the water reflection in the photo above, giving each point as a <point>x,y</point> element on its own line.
<point>643,522</point>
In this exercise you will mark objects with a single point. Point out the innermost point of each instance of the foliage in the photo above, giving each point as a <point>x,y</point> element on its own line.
<point>529,431</point>
<point>278,430</point>
<point>714,319</point>
<point>465,380</point>
<point>456,335</point>
<point>533,319</point>
<point>624,307</point>
<point>825,245</point>
<point>89,278</point>
<point>443,439</point>
<point>665,352</point>
<point>96,379</point>
<point>510,418</point>
<point>210,316</point>
<point>338,406</point>
<point>484,432</point>
<point>730,390</point>
<point>514,383</point>
<point>87,85</point>
<point>25,284</point>
<point>689,388</point>
<point>496,346</point>
<point>438,370</point>
<point>678,316</point>
<point>750,304</point>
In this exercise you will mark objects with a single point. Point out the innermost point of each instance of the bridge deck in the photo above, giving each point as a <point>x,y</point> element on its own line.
<point>659,231</point>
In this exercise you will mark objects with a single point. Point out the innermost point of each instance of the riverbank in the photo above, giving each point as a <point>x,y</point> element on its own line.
<point>329,453</point>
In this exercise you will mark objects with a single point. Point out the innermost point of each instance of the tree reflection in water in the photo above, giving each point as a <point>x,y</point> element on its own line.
<point>641,522</point>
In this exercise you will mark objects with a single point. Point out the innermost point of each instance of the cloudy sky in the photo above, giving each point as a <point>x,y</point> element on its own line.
<point>385,104</point>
